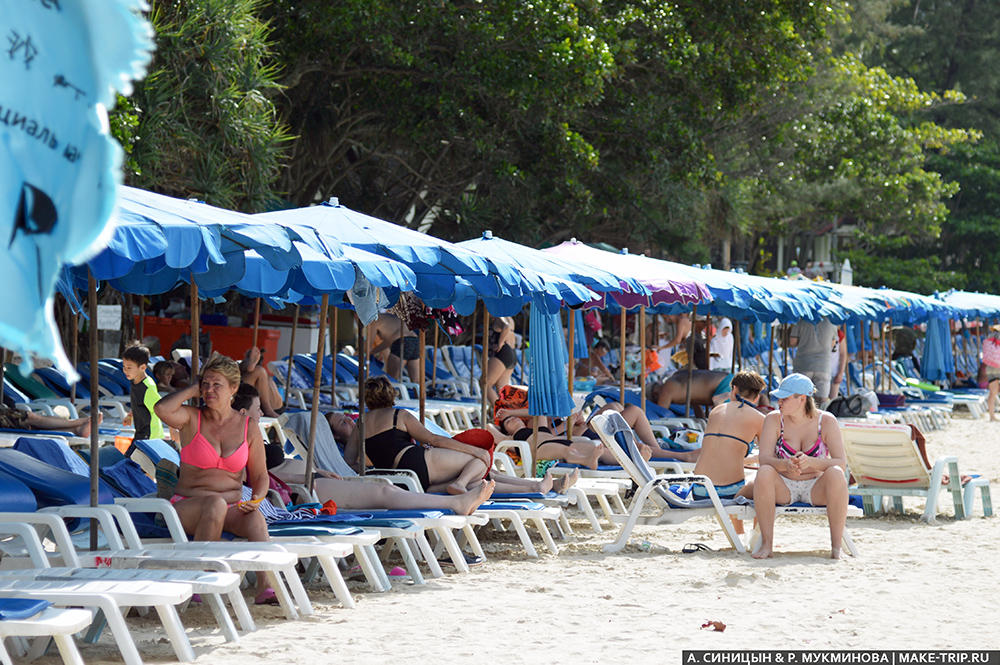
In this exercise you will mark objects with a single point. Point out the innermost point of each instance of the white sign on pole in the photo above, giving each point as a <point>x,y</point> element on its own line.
<point>109,317</point>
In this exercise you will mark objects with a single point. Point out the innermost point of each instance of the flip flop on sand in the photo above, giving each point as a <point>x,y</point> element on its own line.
<point>266,597</point>
<point>691,548</point>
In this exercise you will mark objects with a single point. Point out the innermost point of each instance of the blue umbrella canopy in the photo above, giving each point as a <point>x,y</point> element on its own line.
<point>548,389</point>
<point>938,361</point>
<point>596,279</point>
<point>972,305</point>
<point>504,286</point>
<point>63,62</point>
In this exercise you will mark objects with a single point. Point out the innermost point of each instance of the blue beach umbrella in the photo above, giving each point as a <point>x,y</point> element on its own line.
<point>59,167</point>
<point>938,361</point>
<point>548,391</point>
<point>438,265</point>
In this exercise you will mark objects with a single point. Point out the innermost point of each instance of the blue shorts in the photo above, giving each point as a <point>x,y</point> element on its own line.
<point>724,491</point>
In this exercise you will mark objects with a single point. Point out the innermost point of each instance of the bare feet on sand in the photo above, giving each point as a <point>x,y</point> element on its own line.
<point>469,501</point>
<point>835,553</point>
<point>566,481</point>
<point>763,553</point>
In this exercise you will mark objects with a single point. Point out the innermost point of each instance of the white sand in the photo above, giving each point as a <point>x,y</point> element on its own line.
<point>914,586</point>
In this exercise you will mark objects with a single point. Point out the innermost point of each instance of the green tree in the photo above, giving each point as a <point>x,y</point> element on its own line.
<point>203,122</point>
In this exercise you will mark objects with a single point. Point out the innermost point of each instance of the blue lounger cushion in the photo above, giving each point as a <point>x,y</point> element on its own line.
<point>15,496</point>
<point>21,608</point>
<point>54,452</point>
<point>51,485</point>
<point>157,449</point>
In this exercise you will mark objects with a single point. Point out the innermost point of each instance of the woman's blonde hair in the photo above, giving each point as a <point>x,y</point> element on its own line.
<point>225,366</point>
<point>810,406</point>
<point>379,393</point>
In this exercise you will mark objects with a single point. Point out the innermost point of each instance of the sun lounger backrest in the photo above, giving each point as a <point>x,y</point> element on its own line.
<point>884,456</point>
<point>327,453</point>
<point>31,387</point>
<point>53,452</point>
<point>51,485</point>
<point>15,496</point>
<point>619,438</point>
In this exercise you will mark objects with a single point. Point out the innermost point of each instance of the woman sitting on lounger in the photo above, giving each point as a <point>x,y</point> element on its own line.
<point>801,459</point>
<point>442,464</point>
<point>219,447</point>
<point>732,429</point>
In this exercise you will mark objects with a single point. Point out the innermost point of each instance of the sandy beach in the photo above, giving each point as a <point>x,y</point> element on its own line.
<point>914,586</point>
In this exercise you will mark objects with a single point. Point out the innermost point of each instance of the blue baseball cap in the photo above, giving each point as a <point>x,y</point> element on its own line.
<point>794,384</point>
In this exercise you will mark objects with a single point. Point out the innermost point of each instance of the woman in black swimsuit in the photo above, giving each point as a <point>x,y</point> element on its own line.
<point>502,359</point>
<point>396,440</point>
<point>732,428</point>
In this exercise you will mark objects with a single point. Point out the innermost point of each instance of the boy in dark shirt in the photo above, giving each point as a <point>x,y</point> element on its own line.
<point>144,394</point>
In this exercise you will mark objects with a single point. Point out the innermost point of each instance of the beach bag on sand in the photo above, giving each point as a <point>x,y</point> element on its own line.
<point>847,407</point>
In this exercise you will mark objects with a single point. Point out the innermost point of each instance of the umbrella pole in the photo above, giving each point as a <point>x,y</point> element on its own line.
<point>687,398</point>
<point>422,371</point>
<point>861,351</point>
<point>402,352</point>
<point>846,369</point>
<point>708,341</point>
<point>571,337</point>
<point>362,377</point>
<point>291,353</point>
<point>770,356</point>
<point>142,317</point>
<point>256,320</point>
<point>621,359</point>
<point>75,350</point>
<point>642,356</point>
<point>94,408</point>
<point>886,367</point>
<point>333,353</point>
<point>737,346</point>
<point>434,367</point>
<point>196,328</point>
<point>785,330</point>
<point>317,379</point>
<point>482,365</point>
<point>472,344</point>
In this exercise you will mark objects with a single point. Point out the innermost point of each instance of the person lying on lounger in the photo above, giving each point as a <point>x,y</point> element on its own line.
<point>252,372</point>
<point>395,439</point>
<point>554,444</point>
<point>17,419</point>
<point>802,459</point>
<point>732,428</point>
<point>708,388</point>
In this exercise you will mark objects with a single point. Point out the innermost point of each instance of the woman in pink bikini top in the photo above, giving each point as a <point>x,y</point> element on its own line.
<point>219,450</point>
<point>802,460</point>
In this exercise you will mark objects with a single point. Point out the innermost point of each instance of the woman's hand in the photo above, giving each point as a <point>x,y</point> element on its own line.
<point>804,464</point>
<point>247,507</point>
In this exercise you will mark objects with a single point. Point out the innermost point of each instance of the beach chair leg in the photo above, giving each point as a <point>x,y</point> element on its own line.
<point>583,504</point>
<point>969,496</point>
<point>368,560</point>
<point>336,580</point>
<point>120,631</point>
<point>564,526</point>
<point>67,649</point>
<point>602,501</point>
<point>281,593</point>
<point>543,530</point>
<point>298,591</point>
<point>4,655</point>
<point>242,612</point>
<point>955,487</point>
<point>222,617</point>
<point>410,561</point>
<point>175,632</point>
<point>311,570</point>
<point>619,504</point>
<point>447,539</point>
<point>97,627</point>
<point>473,541</point>
<point>849,543</point>
<point>897,504</point>
<point>428,552</point>
<point>626,530</point>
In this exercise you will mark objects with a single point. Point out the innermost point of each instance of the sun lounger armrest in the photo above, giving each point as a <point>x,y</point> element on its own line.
<point>56,529</point>
<point>104,519</point>
<point>159,507</point>
<point>523,449</point>
<point>33,543</point>
<point>404,477</point>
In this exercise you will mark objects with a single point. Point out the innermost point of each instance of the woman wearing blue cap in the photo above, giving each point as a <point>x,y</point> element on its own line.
<point>801,460</point>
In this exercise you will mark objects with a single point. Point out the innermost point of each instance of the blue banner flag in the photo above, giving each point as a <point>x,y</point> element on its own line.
<point>61,62</point>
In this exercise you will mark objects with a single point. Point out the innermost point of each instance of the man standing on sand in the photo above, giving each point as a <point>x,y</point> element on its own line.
<point>813,343</point>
